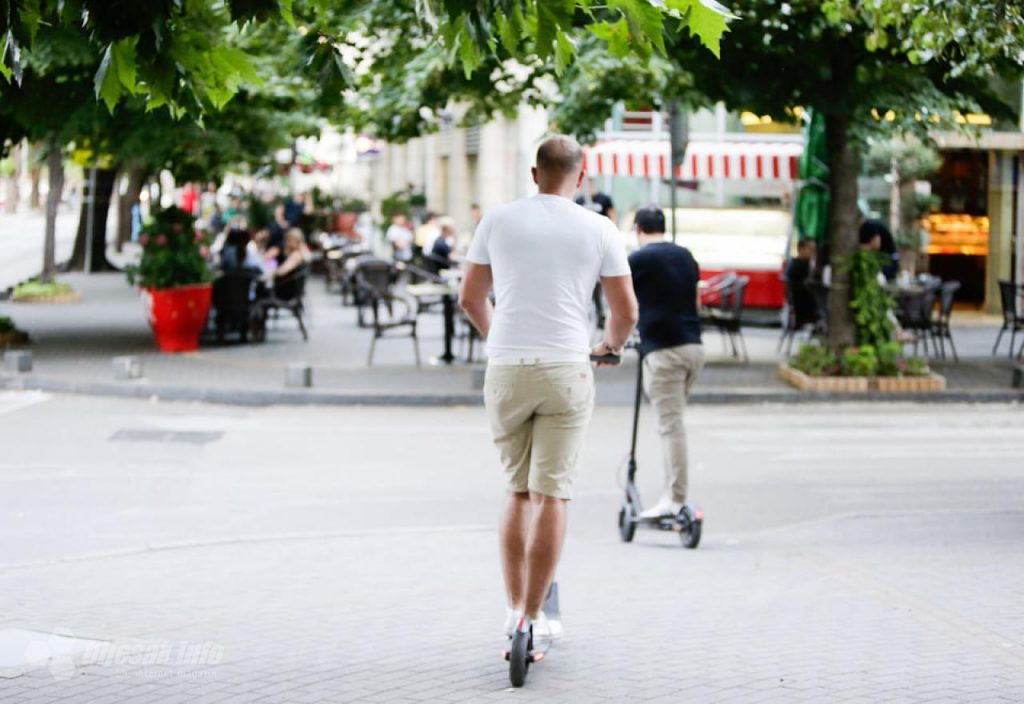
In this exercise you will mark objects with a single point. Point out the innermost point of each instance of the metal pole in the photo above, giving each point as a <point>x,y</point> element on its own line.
<point>673,121</point>
<point>90,212</point>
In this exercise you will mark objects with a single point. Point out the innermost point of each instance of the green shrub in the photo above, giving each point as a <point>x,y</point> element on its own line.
<point>890,359</point>
<point>171,253</point>
<point>6,324</point>
<point>859,361</point>
<point>814,360</point>
<point>35,289</point>
<point>869,300</point>
<point>916,366</point>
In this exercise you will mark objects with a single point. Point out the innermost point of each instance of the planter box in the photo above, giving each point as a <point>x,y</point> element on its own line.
<point>177,315</point>
<point>909,384</point>
<point>861,384</point>
<point>15,338</point>
<point>805,382</point>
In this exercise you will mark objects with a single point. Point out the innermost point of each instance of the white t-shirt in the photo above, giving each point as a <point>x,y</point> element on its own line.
<point>546,255</point>
<point>401,238</point>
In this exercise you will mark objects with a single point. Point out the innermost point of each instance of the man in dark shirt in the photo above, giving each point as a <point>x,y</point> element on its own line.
<point>665,278</point>
<point>599,202</point>
<point>885,243</point>
<point>798,271</point>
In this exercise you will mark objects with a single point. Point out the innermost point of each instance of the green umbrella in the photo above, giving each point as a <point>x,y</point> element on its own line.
<point>812,201</point>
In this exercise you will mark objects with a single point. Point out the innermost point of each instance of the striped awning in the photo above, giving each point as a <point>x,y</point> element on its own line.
<point>776,161</point>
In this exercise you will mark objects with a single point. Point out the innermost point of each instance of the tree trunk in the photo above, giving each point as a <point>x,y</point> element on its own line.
<point>105,179</point>
<point>13,181</point>
<point>35,172</point>
<point>844,163</point>
<point>126,201</point>
<point>55,167</point>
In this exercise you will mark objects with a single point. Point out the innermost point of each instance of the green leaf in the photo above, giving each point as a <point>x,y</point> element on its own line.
<point>469,53</point>
<point>123,59</point>
<point>551,17</point>
<point>645,22</point>
<point>108,85</point>
<point>286,12</point>
<point>565,50</point>
<point>508,35</point>
<point>615,35</point>
<point>708,23</point>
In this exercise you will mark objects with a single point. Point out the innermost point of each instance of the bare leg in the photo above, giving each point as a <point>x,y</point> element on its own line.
<point>515,524</point>
<point>543,547</point>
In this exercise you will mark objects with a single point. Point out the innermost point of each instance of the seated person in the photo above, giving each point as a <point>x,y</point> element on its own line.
<point>240,252</point>
<point>798,272</point>
<point>296,257</point>
<point>443,250</point>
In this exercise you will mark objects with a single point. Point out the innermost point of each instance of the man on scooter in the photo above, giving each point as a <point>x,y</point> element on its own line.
<point>665,278</point>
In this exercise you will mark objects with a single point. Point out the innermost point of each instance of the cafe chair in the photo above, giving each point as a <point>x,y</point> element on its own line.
<point>1013,319</point>
<point>726,316</point>
<point>914,315</point>
<point>288,294</point>
<point>373,279</point>
<point>390,310</point>
<point>234,309</point>
<point>940,330</point>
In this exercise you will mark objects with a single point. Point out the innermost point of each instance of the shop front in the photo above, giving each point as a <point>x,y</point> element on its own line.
<point>736,201</point>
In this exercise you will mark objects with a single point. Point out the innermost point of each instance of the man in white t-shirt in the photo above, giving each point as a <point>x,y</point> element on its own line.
<point>543,256</point>
<point>400,236</point>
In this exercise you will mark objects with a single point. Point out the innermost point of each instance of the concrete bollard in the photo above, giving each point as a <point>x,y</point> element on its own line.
<point>127,367</point>
<point>478,378</point>
<point>17,361</point>
<point>1018,376</point>
<point>298,374</point>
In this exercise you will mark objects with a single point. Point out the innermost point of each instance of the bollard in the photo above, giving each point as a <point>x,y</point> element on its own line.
<point>478,378</point>
<point>1018,376</point>
<point>127,367</point>
<point>298,374</point>
<point>17,361</point>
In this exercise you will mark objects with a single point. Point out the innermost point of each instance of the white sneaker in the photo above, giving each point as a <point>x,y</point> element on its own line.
<point>664,507</point>
<point>543,627</point>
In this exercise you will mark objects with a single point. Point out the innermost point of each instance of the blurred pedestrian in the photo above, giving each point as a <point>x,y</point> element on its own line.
<point>400,236</point>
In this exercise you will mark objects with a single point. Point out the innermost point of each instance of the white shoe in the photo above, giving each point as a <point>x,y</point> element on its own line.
<point>544,628</point>
<point>664,507</point>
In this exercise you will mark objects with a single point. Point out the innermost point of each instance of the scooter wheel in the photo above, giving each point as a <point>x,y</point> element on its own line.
<point>518,658</point>
<point>627,522</point>
<point>691,536</point>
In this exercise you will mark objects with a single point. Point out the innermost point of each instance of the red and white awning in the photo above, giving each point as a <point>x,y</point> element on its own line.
<point>776,161</point>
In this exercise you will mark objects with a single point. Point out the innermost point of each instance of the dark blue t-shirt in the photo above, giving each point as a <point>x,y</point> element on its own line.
<point>665,279</point>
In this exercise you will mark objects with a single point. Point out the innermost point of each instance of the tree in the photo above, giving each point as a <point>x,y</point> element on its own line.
<point>870,68</point>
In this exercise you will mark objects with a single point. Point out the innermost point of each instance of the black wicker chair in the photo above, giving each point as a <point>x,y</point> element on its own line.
<point>288,294</point>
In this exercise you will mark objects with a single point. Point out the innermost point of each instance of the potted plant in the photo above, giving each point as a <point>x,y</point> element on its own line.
<point>175,279</point>
<point>10,335</point>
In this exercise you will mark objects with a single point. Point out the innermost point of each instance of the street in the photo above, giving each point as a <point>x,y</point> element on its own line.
<point>854,553</point>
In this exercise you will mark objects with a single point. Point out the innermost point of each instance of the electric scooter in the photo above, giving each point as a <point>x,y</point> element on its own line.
<point>687,522</point>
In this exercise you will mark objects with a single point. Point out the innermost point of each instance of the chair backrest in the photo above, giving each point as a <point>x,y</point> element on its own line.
<point>232,288</point>
<point>375,276</point>
<point>1008,297</point>
<point>737,292</point>
<point>717,289</point>
<point>946,296</point>
<point>291,286</point>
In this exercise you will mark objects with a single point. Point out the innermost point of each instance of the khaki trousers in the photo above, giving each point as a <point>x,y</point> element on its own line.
<point>669,374</point>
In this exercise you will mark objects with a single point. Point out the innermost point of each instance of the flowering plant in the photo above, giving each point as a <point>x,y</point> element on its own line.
<point>172,252</point>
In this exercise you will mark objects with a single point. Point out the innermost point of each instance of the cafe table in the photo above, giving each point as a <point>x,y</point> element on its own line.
<point>447,291</point>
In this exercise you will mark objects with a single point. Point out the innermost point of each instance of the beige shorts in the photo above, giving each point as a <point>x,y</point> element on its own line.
<point>539,415</point>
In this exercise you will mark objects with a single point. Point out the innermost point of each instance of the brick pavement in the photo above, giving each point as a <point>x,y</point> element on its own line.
<point>868,554</point>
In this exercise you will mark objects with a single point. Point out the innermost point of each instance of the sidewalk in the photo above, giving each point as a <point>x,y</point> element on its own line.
<point>21,243</point>
<point>74,345</point>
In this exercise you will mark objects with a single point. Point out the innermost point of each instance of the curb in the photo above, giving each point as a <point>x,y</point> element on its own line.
<point>300,397</point>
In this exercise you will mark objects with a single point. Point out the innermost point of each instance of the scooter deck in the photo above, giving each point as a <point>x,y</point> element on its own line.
<point>551,609</point>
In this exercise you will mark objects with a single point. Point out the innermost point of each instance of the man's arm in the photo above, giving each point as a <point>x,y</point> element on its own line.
<point>623,310</point>
<point>474,297</point>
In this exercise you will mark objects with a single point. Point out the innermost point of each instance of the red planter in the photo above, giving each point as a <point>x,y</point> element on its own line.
<point>177,315</point>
